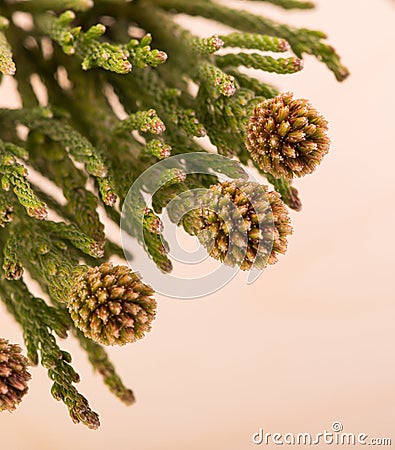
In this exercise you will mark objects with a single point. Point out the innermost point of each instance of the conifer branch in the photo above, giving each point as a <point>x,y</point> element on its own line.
<point>255,41</point>
<point>14,176</point>
<point>7,65</point>
<point>301,40</point>
<point>257,61</point>
<point>94,53</point>
<point>100,362</point>
<point>43,121</point>
<point>6,208</point>
<point>81,204</point>
<point>290,4</point>
<point>12,266</point>
<point>76,237</point>
<point>39,321</point>
<point>55,5</point>
<point>73,79</point>
<point>259,88</point>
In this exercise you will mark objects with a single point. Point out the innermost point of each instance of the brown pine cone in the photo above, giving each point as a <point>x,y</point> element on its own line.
<point>287,137</point>
<point>111,305</point>
<point>241,224</point>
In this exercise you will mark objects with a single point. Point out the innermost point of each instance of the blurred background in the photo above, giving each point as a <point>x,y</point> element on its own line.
<point>312,341</point>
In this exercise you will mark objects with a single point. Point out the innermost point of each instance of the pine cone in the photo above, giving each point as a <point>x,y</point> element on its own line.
<point>287,137</point>
<point>13,375</point>
<point>111,305</point>
<point>241,224</point>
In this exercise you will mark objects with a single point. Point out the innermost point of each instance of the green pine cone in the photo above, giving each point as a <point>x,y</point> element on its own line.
<point>13,375</point>
<point>287,137</point>
<point>111,305</point>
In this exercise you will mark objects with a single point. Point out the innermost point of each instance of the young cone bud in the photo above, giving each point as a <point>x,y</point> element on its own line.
<point>287,137</point>
<point>111,305</point>
<point>242,224</point>
<point>13,375</point>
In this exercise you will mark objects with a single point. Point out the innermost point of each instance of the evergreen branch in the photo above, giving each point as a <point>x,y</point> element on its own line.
<point>141,55</point>
<point>184,43</point>
<point>6,209</point>
<point>145,121</point>
<point>301,40</point>
<point>148,88</point>
<point>206,46</point>
<point>42,120</point>
<point>76,237</point>
<point>259,88</point>
<point>186,119</point>
<point>138,216</point>
<point>196,92</point>
<point>49,260</point>
<point>94,53</point>
<point>12,265</point>
<point>25,66</point>
<point>39,321</point>
<point>165,194</point>
<point>34,6</point>
<point>290,4</point>
<point>220,81</point>
<point>157,148</point>
<point>81,205</point>
<point>13,175</point>
<point>158,249</point>
<point>107,190</point>
<point>100,362</point>
<point>257,61</point>
<point>171,176</point>
<point>16,178</point>
<point>85,45</point>
<point>93,115</point>
<point>255,41</point>
<point>110,248</point>
<point>184,46</point>
<point>7,65</point>
<point>225,118</point>
<point>90,120</point>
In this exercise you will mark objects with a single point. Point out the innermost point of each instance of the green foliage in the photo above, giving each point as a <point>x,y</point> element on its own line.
<point>94,53</point>
<point>77,141</point>
<point>7,65</point>
<point>13,176</point>
<point>39,323</point>
<point>301,40</point>
<point>257,61</point>
<point>101,363</point>
<point>290,4</point>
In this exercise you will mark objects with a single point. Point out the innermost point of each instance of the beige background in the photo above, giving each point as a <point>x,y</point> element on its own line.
<point>312,341</point>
